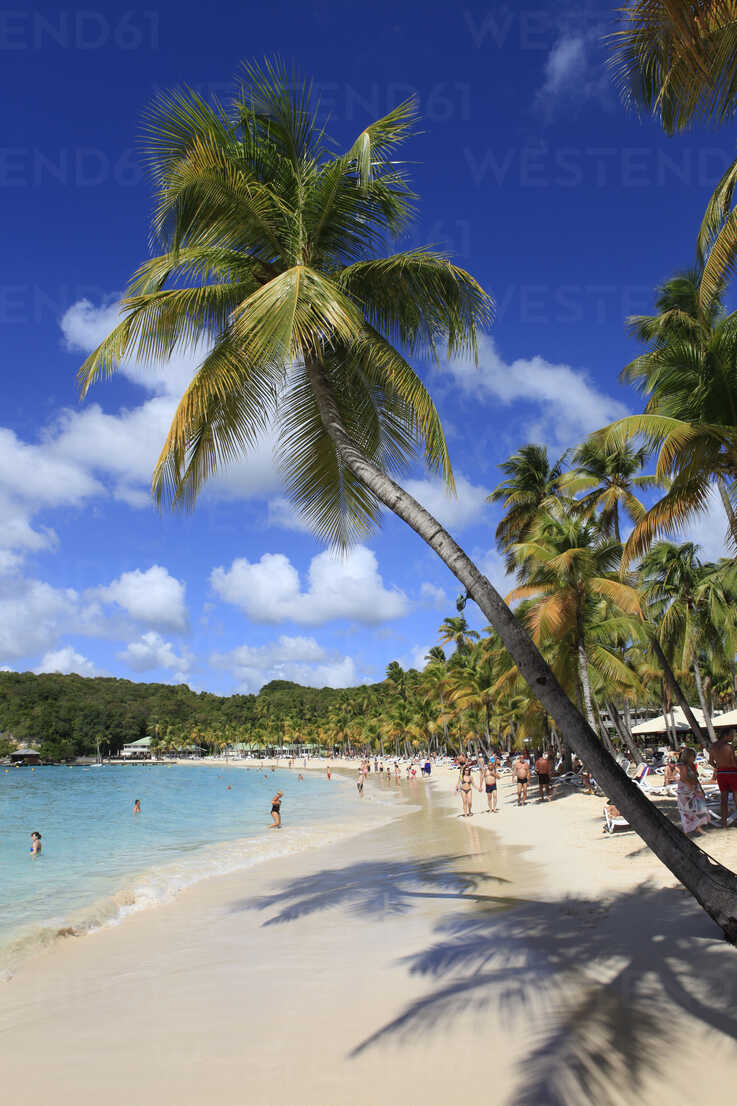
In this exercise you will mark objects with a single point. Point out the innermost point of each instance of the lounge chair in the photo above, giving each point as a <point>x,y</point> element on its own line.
<point>716,816</point>
<point>613,823</point>
<point>652,789</point>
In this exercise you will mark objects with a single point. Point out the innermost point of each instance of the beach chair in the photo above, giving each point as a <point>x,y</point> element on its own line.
<point>648,788</point>
<point>611,824</point>
<point>716,816</point>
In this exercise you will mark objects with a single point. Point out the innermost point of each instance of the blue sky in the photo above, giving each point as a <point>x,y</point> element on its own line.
<point>568,209</point>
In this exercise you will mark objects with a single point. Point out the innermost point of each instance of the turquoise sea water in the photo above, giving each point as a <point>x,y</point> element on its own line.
<point>100,862</point>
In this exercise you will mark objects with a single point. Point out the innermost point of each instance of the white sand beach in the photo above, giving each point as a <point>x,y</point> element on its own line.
<point>522,957</point>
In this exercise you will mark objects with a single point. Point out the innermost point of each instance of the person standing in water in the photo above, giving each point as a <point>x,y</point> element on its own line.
<point>137,806</point>
<point>276,810</point>
<point>35,843</point>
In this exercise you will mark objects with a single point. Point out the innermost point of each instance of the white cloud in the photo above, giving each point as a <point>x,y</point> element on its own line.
<point>153,598</point>
<point>417,657</point>
<point>67,660</point>
<point>493,566</point>
<point>32,615</point>
<point>453,511</point>
<point>433,595</point>
<point>708,530</point>
<point>152,651</point>
<point>350,587</point>
<point>574,73</point>
<point>84,326</point>
<point>125,446</point>
<point>565,404</point>
<point>301,659</point>
<point>284,514</point>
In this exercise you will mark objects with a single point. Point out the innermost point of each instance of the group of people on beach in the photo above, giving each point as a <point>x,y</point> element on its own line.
<point>489,770</point>
<point>692,805</point>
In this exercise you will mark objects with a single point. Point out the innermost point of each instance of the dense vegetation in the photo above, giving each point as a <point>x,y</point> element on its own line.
<point>65,716</point>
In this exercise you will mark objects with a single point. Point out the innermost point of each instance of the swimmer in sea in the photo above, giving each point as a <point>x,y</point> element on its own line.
<point>300,776</point>
<point>276,810</point>
<point>137,806</point>
<point>36,843</point>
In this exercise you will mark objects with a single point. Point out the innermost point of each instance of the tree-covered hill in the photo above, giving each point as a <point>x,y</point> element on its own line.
<point>66,715</point>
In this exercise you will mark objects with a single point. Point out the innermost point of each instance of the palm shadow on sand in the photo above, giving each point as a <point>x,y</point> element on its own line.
<point>599,991</point>
<point>377,888</point>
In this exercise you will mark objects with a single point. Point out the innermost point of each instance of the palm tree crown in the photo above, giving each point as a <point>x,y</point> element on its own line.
<point>531,485</point>
<point>271,253</point>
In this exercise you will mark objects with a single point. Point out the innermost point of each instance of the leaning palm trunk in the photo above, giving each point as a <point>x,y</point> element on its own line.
<point>702,699</point>
<point>583,672</point>
<point>727,504</point>
<point>712,885</point>
<point>676,689</point>
<point>624,732</point>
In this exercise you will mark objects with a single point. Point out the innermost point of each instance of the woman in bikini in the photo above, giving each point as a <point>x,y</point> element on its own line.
<point>465,783</point>
<point>276,810</point>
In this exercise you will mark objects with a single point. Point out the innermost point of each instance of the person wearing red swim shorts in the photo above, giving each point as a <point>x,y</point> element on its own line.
<point>722,757</point>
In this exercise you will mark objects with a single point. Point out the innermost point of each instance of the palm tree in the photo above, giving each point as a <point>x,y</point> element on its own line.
<point>678,59</point>
<point>272,257</point>
<point>607,476</point>
<point>684,597</point>
<point>689,375</point>
<point>532,485</point>
<point>569,566</point>
<point>455,631</point>
<point>472,686</point>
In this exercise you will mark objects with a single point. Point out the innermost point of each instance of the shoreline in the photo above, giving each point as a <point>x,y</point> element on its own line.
<point>162,883</point>
<point>397,955</point>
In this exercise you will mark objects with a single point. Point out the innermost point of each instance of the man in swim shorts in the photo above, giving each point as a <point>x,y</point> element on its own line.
<point>490,777</point>
<point>544,769</point>
<point>721,756</point>
<point>522,776</point>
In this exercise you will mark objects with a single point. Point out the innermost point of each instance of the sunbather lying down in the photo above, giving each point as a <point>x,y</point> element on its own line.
<point>611,810</point>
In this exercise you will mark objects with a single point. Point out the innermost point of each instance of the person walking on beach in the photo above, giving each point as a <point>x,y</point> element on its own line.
<point>136,806</point>
<point>691,801</point>
<point>724,762</point>
<point>490,778</point>
<point>465,785</point>
<point>544,769</point>
<point>276,810</point>
<point>522,776</point>
<point>35,844</point>
<point>359,782</point>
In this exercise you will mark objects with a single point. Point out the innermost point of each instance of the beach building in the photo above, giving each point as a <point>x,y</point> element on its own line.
<point>729,718</point>
<point>637,715</point>
<point>25,756</point>
<point>674,722</point>
<point>137,750</point>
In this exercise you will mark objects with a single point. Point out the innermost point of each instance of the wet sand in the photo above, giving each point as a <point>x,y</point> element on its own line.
<point>430,958</point>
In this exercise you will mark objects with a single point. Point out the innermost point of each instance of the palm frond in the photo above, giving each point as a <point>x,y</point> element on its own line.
<point>370,149</point>
<point>417,298</point>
